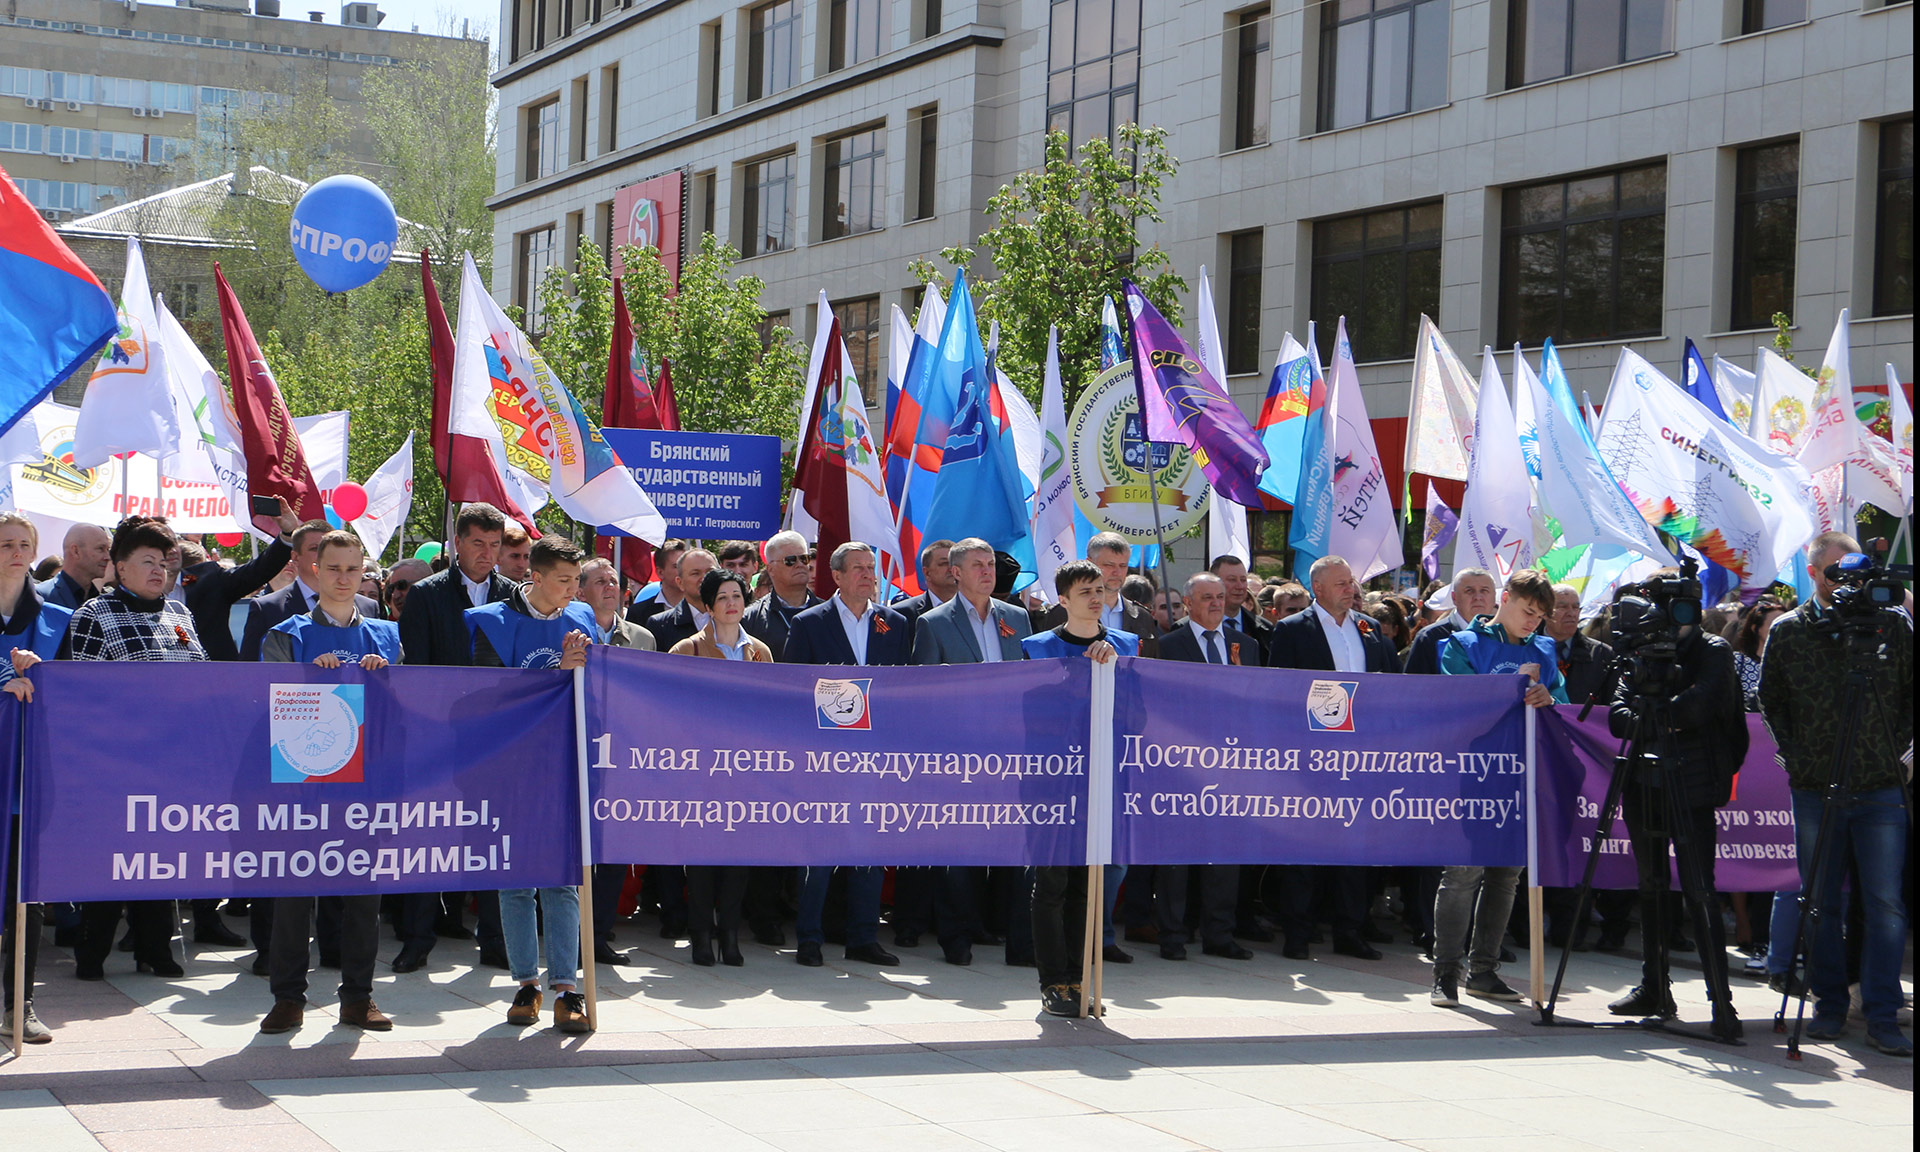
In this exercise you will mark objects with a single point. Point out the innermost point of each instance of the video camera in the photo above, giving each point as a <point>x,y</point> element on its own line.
<point>1862,586</point>
<point>1648,616</point>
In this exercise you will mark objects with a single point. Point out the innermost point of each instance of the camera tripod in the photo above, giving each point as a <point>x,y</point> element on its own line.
<point>1659,795</point>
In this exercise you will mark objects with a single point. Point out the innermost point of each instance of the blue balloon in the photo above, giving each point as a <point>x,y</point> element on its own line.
<point>333,517</point>
<point>343,232</point>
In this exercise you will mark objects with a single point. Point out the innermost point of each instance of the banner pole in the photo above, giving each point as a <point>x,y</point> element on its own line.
<point>1536,902</point>
<point>19,895</point>
<point>587,939</point>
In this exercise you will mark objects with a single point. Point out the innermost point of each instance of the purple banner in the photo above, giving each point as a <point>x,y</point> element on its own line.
<point>9,781</point>
<point>1232,765</point>
<point>1755,850</point>
<point>718,762</point>
<point>147,782</point>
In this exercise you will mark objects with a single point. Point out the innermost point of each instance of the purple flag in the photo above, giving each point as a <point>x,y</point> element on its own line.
<point>1183,403</point>
<point>1442,523</point>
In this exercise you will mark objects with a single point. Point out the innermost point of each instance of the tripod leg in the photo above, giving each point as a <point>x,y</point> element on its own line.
<point>1609,809</point>
<point>1697,892</point>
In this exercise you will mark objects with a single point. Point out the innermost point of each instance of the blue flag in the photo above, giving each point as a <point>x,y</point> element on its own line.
<point>1698,381</point>
<point>1311,532</point>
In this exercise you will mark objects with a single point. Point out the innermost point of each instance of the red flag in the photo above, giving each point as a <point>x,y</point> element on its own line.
<point>629,400</point>
<point>669,407</point>
<point>819,474</point>
<point>275,464</point>
<point>465,463</point>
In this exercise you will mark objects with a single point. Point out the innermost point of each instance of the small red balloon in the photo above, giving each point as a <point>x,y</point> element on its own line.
<point>229,539</point>
<point>350,500</point>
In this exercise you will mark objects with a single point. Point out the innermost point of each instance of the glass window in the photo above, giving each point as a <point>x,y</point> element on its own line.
<point>773,48</point>
<point>1093,69</point>
<point>1584,259</point>
<point>855,196</point>
<point>1381,270</point>
<point>1893,222</point>
<point>933,15</point>
<point>768,206</point>
<point>543,140</point>
<point>770,324</point>
<point>857,30</point>
<point>1380,58</point>
<point>1246,259</point>
<point>1253,80</point>
<point>1766,200</point>
<point>1760,15</point>
<point>1548,39</point>
<point>860,328</point>
<point>536,256</point>
<point>927,178</point>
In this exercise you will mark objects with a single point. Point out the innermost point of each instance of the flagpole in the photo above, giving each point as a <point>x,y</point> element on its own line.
<point>1153,486</point>
<point>588,939</point>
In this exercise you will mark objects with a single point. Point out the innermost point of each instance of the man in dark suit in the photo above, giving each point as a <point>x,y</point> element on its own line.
<point>1242,613</point>
<point>83,560</point>
<point>1331,636</point>
<point>849,628</point>
<point>433,630</point>
<point>1110,552</point>
<point>1586,664</point>
<point>1203,637</point>
<point>666,559</point>
<point>936,577</point>
<point>790,568</point>
<point>1473,596</point>
<point>683,619</point>
<point>212,591</point>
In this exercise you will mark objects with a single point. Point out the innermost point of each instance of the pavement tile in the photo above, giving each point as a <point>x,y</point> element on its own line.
<point>1251,1126</point>
<point>33,1118</point>
<point>1072,1134</point>
<point>919,1137</point>
<point>407,1130</point>
<point>146,1107</point>
<point>1406,1119</point>
<point>982,1098</point>
<point>829,1107</point>
<point>285,1136</point>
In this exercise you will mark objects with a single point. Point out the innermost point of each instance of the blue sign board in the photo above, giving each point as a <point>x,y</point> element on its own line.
<point>709,485</point>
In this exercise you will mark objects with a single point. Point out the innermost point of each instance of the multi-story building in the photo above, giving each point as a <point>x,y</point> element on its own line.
<point>107,101</point>
<point>1596,171</point>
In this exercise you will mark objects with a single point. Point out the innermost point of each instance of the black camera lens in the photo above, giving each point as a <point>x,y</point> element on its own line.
<point>1684,612</point>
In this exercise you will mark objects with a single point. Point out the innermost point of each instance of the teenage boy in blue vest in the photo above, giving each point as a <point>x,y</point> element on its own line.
<point>332,635</point>
<point>540,626</point>
<point>1481,899</point>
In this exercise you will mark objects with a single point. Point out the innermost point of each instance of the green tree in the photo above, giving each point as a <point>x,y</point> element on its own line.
<point>1063,238</point>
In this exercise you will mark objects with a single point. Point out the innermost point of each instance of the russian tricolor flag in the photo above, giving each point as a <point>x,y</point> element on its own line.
<point>54,315</point>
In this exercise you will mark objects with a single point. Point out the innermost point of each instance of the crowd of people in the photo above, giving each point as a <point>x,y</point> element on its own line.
<point>501,598</point>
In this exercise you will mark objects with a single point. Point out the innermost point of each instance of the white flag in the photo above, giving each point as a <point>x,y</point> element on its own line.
<point>129,404</point>
<point>1364,529</point>
<point>1699,479</point>
<point>1577,487</point>
<point>389,499</point>
<point>1226,521</point>
<point>1783,404</point>
<point>1496,517</point>
<point>1902,420</point>
<point>1832,424</point>
<point>1735,386</point>
<point>475,408</point>
<point>323,441</point>
<point>1053,540</point>
<point>1440,418</point>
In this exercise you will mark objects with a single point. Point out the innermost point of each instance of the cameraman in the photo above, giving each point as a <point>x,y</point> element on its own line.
<point>1683,676</point>
<point>1803,686</point>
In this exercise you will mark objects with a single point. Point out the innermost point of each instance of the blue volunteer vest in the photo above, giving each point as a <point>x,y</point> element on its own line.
<point>1491,656</point>
<point>523,642</point>
<point>370,638</point>
<point>43,640</point>
<point>1047,646</point>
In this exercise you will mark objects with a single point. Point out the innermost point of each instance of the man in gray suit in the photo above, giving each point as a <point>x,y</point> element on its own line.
<point>971,628</point>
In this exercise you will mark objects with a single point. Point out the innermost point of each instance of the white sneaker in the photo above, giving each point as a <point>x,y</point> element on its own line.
<point>36,1032</point>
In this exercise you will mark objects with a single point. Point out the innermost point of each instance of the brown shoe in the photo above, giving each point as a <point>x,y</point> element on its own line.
<point>285,1017</point>
<point>526,1006</point>
<point>570,1014</point>
<point>365,1015</point>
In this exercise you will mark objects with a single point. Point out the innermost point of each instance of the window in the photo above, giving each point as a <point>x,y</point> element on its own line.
<point>767,206</point>
<point>856,31</point>
<point>860,328</point>
<point>770,326</point>
<point>1093,67</point>
<point>1584,259</point>
<point>1893,222</point>
<point>923,147</point>
<point>1766,201</point>
<point>1380,270</point>
<point>1253,78</point>
<point>128,146</point>
<point>536,256</point>
<point>1246,256</point>
<point>709,77</point>
<point>577,121</point>
<point>610,109</point>
<point>1549,39</point>
<point>930,15</point>
<point>773,48</point>
<point>703,201</point>
<point>1760,15</point>
<point>1380,58</point>
<point>543,140</point>
<point>854,197</point>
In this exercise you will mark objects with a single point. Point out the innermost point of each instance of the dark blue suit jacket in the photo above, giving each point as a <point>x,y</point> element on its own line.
<point>1299,642</point>
<point>818,637</point>
<point>267,611</point>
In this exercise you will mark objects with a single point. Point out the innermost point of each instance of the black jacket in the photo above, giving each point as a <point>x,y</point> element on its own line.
<point>672,626</point>
<point>212,591</point>
<point>1705,712</point>
<point>1587,669</point>
<point>1249,620</point>
<point>433,625</point>
<point>1423,657</point>
<point>1236,647</point>
<point>768,620</point>
<point>818,637</point>
<point>273,608</point>
<point>1299,642</point>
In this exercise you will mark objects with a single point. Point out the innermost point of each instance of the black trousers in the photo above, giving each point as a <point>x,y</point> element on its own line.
<point>1308,892</point>
<point>1059,924</point>
<point>1219,886</point>
<point>767,904</point>
<point>152,922</point>
<point>7,942</point>
<point>608,880</point>
<point>359,928</point>
<point>714,895</point>
<point>1650,829</point>
<point>943,900</point>
<point>421,911</point>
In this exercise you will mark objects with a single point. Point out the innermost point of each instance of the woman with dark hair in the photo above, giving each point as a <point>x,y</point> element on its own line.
<point>715,892</point>
<point>1749,638</point>
<point>134,621</point>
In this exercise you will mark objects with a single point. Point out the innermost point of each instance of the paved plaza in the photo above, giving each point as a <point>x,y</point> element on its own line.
<point>1207,1053</point>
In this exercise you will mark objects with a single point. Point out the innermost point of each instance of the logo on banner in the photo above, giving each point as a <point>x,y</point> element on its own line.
<point>315,733</point>
<point>1330,705</point>
<point>842,704</point>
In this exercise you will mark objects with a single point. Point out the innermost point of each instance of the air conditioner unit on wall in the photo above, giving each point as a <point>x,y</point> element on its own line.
<point>73,105</point>
<point>46,105</point>
<point>155,113</point>
<point>140,112</point>
<point>30,102</point>
<point>66,159</point>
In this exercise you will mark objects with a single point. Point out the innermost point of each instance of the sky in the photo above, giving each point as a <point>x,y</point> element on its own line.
<point>402,15</point>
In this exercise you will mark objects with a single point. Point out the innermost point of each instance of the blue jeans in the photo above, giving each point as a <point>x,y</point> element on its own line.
<point>1873,828</point>
<point>520,924</point>
<point>1782,928</point>
<point>1112,876</point>
<point>863,905</point>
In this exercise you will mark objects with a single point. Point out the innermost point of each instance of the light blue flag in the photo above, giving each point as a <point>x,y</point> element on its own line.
<point>1311,531</point>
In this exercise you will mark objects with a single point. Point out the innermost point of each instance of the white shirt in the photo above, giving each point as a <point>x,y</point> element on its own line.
<point>1219,641</point>
<point>1114,615</point>
<point>855,627</point>
<point>699,618</point>
<point>476,592</point>
<point>986,632</point>
<point>1343,640</point>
